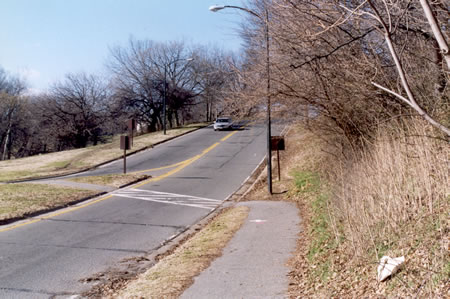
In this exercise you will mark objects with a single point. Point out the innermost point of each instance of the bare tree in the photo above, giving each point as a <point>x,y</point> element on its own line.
<point>389,15</point>
<point>213,73</point>
<point>326,54</point>
<point>144,71</point>
<point>77,109</point>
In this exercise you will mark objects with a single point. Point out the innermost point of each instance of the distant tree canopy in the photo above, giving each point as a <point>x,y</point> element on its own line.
<point>84,109</point>
<point>77,110</point>
<point>145,72</point>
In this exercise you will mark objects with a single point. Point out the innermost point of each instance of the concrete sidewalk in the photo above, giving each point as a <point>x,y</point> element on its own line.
<point>253,264</point>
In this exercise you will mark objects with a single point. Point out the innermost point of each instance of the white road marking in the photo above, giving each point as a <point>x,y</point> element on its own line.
<point>169,198</point>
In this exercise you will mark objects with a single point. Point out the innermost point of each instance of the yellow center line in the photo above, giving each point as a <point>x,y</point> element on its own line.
<point>228,136</point>
<point>180,167</point>
<point>160,168</point>
<point>210,148</point>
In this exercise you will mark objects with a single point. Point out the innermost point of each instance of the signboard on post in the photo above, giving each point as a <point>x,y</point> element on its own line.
<point>125,145</point>
<point>277,144</point>
<point>124,142</point>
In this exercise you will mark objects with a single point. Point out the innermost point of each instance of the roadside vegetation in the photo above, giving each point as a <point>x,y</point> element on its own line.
<point>389,200</point>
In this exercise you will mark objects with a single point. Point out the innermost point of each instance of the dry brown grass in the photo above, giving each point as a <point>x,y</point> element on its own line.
<point>174,273</point>
<point>391,199</point>
<point>395,200</point>
<point>71,161</point>
<point>19,200</point>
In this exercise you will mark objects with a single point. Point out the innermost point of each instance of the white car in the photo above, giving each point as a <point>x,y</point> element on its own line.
<point>223,123</point>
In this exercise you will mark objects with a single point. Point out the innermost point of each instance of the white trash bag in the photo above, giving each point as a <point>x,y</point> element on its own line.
<point>388,266</point>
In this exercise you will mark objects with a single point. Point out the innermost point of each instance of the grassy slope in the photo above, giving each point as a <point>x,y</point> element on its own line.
<point>19,200</point>
<point>70,161</point>
<point>346,232</point>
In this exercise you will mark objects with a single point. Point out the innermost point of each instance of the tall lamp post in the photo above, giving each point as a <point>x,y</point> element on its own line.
<point>166,65</point>
<point>265,20</point>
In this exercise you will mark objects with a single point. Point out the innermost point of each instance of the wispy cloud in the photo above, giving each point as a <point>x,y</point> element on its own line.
<point>34,91</point>
<point>29,73</point>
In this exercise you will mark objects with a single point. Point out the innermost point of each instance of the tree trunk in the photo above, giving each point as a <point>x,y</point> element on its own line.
<point>436,31</point>
<point>7,137</point>
<point>177,119</point>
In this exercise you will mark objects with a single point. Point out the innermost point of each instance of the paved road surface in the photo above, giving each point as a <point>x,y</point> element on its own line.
<point>47,256</point>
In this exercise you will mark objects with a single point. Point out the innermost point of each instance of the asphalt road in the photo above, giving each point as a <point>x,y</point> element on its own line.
<point>48,256</point>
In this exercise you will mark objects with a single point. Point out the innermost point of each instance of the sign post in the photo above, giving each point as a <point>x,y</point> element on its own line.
<point>277,143</point>
<point>125,145</point>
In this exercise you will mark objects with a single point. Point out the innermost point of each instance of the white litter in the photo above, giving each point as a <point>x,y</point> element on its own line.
<point>258,221</point>
<point>388,266</point>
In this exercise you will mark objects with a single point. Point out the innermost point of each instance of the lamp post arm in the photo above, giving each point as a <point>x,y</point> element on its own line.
<point>246,10</point>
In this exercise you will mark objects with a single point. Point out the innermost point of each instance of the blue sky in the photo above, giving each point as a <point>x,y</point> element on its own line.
<point>42,40</point>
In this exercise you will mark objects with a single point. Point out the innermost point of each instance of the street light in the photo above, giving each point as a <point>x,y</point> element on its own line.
<point>166,65</point>
<point>265,20</point>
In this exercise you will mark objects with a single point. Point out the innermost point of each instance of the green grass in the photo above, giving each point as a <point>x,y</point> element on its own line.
<point>308,184</point>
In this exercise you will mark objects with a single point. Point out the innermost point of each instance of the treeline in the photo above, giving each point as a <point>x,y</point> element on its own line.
<point>344,67</point>
<point>85,109</point>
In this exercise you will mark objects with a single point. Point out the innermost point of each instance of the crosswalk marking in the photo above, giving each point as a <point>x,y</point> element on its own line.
<point>169,198</point>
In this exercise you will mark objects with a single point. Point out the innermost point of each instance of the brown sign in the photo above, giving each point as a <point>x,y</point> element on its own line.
<point>124,142</point>
<point>277,143</point>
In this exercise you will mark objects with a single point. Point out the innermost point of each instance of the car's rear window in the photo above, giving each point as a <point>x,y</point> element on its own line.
<point>223,120</point>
